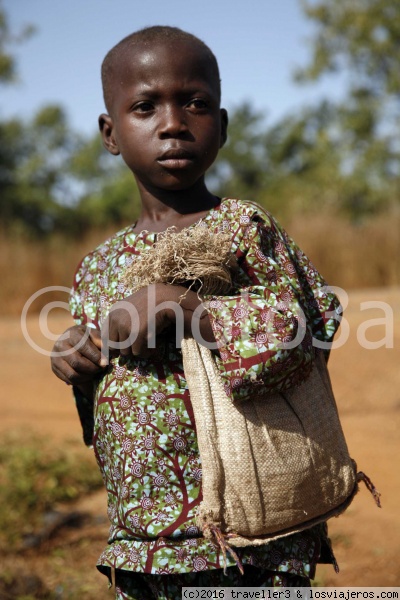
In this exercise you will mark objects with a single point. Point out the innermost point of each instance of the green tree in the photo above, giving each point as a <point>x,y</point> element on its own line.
<point>52,179</point>
<point>360,38</point>
<point>240,170</point>
<point>34,185</point>
<point>107,191</point>
<point>315,161</point>
<point>8,67</point>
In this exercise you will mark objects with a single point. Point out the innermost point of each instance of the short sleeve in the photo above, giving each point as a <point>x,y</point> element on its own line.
<point>84,299</point>
<point>265,330</point>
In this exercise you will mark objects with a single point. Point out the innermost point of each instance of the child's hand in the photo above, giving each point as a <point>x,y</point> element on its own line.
<point>134,323</point>
<point>76,356</point>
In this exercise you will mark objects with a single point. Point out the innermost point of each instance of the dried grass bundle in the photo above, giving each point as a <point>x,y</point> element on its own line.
<point>194,257</point>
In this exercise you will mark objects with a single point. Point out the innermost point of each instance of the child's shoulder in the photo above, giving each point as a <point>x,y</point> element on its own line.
<point>115,244</point>
<point>106,259</point>
<point>237,207</point>
<point>247,212</point>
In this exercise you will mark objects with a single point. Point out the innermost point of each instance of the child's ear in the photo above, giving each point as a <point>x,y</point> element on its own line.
<point>224,126</point>
<point>106,127</point>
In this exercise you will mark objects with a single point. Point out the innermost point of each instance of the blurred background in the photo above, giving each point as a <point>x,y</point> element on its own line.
<point>313,93</point>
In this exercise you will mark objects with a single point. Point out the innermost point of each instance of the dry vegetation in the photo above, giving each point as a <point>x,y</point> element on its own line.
<point>352,256</point>
<point>30,265</point>
<point>349,255</point>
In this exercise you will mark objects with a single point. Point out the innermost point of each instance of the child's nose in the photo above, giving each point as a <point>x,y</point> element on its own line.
<point>173,122</point>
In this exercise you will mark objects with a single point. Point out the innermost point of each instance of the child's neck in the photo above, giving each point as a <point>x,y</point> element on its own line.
<point>178,208</point>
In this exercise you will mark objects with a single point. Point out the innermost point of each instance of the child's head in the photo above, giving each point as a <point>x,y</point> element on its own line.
<point>149,37</point>
<point>162,91</point>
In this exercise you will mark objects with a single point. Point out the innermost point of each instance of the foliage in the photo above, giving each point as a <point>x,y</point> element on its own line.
<point>34,476</point>
<point>32,181</point>
<point>359,38</point>
<point>343,155</point>
<point>34,186</point>
<point>316,164</point>
<point>108,193</point>
<point>241,166</point>
<point>8,69</point>
<point>52,180</point>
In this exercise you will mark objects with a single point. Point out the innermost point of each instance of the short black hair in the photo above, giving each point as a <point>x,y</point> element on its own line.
<point>150,35</point>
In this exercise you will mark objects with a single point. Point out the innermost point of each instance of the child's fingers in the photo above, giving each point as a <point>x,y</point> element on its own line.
<point>60,373</point>
<point>75,369</point>
<point>95,336</point>
<point>87,343</point>
<point>76,358</point>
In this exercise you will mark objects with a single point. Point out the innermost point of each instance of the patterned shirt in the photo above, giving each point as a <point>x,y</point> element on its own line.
<point>143,428</point>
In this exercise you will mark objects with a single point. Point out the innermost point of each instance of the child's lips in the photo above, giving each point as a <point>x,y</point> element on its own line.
<point>175,158</point>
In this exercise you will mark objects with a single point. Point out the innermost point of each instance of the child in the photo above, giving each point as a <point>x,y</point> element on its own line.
<point>162,93</point>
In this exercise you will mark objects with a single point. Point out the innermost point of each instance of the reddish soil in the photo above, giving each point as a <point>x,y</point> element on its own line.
<point>367,387</point>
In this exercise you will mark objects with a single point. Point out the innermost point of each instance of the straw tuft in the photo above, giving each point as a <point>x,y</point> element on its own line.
<point>194,257</point>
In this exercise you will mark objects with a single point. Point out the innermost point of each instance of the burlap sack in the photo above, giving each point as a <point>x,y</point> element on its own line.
<point>272,465</point>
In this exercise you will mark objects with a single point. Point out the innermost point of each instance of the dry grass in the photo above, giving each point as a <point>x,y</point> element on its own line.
<point>350,256</point>
<point>28,266</point>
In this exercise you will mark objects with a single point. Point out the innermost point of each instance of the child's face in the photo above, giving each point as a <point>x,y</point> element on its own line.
<point>165,119</point>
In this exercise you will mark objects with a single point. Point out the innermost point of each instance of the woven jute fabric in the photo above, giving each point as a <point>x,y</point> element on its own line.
<point>272,465</point>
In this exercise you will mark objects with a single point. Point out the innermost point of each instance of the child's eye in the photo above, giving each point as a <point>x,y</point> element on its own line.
<point>142,107</point>
<point>197,103</point>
